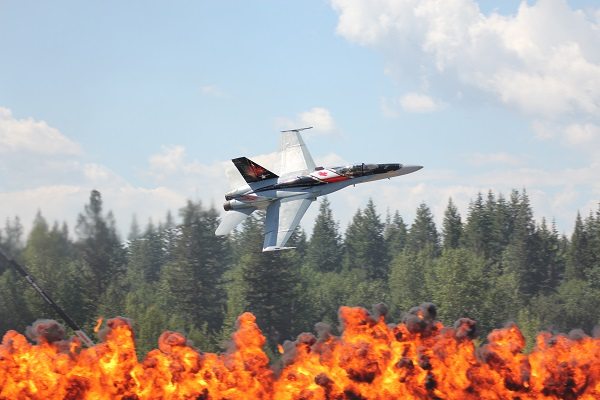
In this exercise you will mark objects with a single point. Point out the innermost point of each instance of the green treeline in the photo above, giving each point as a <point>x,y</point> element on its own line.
<point>495,265</point>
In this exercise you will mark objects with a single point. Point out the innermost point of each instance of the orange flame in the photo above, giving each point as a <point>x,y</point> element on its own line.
<point>98,324</point>
<point>418,359</point>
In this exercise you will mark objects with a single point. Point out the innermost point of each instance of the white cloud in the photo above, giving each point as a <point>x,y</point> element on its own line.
<point>60,188</point>
<point>410,102</point>
<point>171,168</point>
<point>331,160</point>
<point>418,103</point>
<point>42,169</point>
<point>583,137</point>
<point>34,137</point>
<point>543,130</point>
<point>542,61</point>
<point>35,153</point>
<point>170,160</point>
<point>65,202</point>
<point>582,134</point>
<point>319,118</point>
<point>99,173</point>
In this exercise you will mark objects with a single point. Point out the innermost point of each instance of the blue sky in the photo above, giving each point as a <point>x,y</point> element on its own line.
<point>147,101</point>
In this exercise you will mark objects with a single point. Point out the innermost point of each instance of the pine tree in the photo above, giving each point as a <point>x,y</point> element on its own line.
<point>452,226</point>
<point>365,246</point>
<point>151,325</point>
<point>270,284</point>
<point>423,232</point>
<point>299,242</point>
<point>502,225</point>
<point>501,302</point>
<point>395,234</point>
<point>146,257</point>
<point>215,261</point>
<point>192,284</point>
<point>407,279</point>
<point>149,318</point>
<point>478,232</point>
<point>549,257</point>
<point>594,240</point>
<point>178,291</point>
<point>134,230</point>
<point>14,313</point>
<point>353,240</point>
<point>577,258</point>
<point>236,301</point>
<point>578,304</point>
<point>494,225</point>
<point>520,256</point>
<point>46,255</point>
<point>72,295</point>
<point>99,246</point>
<point>456,282</point>
<point>324,252</point>
<point>168,232</point>
<point>12,243</point>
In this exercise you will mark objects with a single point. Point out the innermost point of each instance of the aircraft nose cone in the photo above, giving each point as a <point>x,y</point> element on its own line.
<point>407,169</point>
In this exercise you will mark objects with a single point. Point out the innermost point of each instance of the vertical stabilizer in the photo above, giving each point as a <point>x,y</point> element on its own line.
<point>251,171</point>
<point>295,157</point>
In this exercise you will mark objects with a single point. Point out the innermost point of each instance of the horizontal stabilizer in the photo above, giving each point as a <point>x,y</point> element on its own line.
<point>251,171</point>
<point>231,219</point>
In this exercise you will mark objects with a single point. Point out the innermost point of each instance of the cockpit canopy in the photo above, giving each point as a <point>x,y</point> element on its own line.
<point>355,170</point>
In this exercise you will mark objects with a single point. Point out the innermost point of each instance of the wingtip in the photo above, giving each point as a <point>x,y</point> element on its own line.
<point>297,130</point>
<point>276,248</point>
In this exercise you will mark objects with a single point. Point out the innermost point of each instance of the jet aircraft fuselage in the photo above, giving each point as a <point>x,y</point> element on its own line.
<point>322,181</point>
<point>287,196</point>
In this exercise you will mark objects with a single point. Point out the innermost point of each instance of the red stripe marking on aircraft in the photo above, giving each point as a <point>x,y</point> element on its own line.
<point>336,179</point>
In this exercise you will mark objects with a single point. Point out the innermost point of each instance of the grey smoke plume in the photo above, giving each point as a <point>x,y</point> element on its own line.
<point>112,324</point>
<point>421,319</point>
<point>45,330</point>
<point>465,328</point>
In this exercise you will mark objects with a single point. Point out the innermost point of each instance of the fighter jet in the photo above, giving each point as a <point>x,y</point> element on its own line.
<point>287,196</point>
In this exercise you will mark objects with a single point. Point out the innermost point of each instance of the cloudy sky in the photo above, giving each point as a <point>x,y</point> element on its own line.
<point>147,101</point>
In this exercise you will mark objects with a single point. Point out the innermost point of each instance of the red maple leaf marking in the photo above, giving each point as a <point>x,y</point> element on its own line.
<point>322,173</point>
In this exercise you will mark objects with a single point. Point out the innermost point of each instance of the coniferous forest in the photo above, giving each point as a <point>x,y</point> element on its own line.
<point>495,265</point>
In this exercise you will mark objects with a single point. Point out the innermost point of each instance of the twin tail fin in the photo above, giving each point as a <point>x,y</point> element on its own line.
<point>251,171</point>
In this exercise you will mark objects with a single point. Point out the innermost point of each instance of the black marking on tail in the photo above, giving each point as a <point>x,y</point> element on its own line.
<point>251,171</point>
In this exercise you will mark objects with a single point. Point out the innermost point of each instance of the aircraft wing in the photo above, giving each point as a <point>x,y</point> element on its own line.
<point>231,219</point>
<point>283,216</point>
<point>295,158</point>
